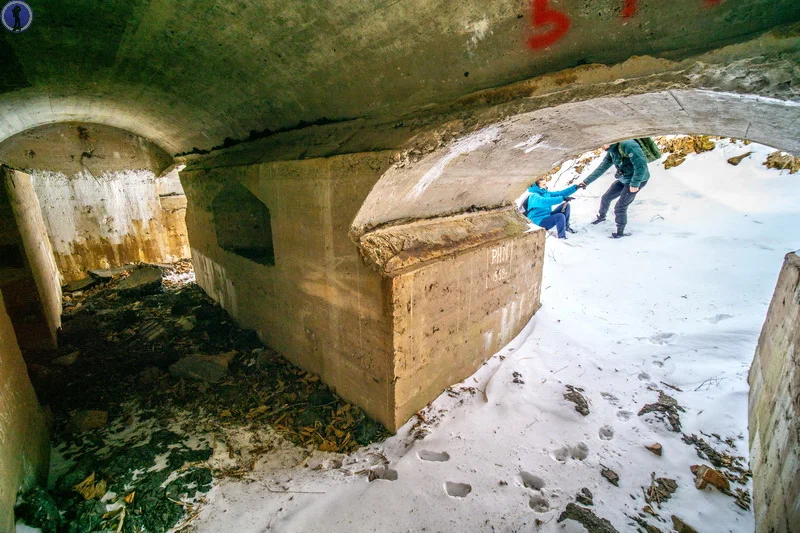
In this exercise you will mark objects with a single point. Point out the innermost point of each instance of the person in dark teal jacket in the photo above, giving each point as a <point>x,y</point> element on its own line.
<point>632,175</point>
<point>540,211</point>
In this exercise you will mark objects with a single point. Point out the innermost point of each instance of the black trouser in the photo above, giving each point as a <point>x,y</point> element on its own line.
<point>623,192</point>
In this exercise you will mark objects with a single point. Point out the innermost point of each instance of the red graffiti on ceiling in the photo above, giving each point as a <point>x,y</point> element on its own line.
<point>544,17</point>
<point>553,24</point>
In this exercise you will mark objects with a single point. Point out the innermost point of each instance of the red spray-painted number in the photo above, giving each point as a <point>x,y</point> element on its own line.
<point>555,22</point>
<point>629,9</point>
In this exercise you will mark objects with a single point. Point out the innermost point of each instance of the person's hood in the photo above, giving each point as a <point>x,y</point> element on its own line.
<point>535,189</point>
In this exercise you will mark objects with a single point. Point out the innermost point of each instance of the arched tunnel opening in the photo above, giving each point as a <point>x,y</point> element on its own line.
<point>292,289</point>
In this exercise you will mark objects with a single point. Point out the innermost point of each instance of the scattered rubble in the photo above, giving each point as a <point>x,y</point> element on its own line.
<point>679,147</point>
<point>648,527</point>
<point>585,517</point>
<point>734,465</point>
<point>135,420</point>
<point>738,159</point>
<point>681,527</point>
<point>783,161</point>
<point>656,448</point>
<point>574,395</point>
<point>585,497</point>
<point>142,281</point>
<point>705,475</point>
<point>610,475</point>
<point>660,490</point>
<point>666,407</point>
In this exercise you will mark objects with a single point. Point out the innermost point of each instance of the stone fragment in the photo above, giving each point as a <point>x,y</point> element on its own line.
<point>666,407</point>
<point>681,527</point>
<point>206,368</point>
<point>80,285</point>
<point>738,159</point>
<point>106,274</point>
<point>611,476</point>
<point>585,497</point>
<point>85,420</point>
<point>151,331</point>
<point>66,360</point>
<point>655,448</point>
<point>705,475</point>
<point>187,323</point>
<point>585,517</point>
<point>574,395</point>
<point>144,280</point>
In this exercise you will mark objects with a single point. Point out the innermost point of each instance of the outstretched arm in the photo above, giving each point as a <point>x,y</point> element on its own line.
<point>599,171</point>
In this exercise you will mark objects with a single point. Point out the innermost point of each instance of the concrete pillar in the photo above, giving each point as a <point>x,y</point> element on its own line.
<point>24,440</point>
<point>389,322</point>
<point>774,409</point>
<point>29,278</point>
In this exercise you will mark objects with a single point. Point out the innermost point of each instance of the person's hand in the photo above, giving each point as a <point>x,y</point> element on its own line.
<point>581,185</point>
<point>634,189</point>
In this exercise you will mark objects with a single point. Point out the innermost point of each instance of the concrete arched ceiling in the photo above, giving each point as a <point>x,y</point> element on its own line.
<point>190,74</point>
<point>495,164</point>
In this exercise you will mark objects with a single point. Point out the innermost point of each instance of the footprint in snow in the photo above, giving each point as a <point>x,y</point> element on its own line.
<point>457,490</point>
<point>530,481</point>
<point>610,398</point>
<point>624,415</point>
<point>719,318</point>
<point>606,433</point>
<point>643,376</point>
<point>438,457</point>
<point>579,451</point>
<point>539,503</point>
<point>382,472</point>
<point>661,339</point>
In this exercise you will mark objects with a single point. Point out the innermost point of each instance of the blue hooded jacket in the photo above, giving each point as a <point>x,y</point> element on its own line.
<point>631,169</point>
<point>541,201</point>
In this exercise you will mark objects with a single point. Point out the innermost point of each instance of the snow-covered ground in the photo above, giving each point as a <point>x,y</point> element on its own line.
<point>680,302</point>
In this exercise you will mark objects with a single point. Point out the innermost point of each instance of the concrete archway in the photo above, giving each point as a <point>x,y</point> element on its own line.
<point>493,165</point>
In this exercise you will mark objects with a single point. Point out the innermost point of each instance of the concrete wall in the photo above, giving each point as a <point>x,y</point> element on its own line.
<point>389,333</point>
<point>319,305</point>
<point>112,219</point>
<point>774,410</point>
<point>30,282</point>
<point>103,195</point>
<point>24,439</point>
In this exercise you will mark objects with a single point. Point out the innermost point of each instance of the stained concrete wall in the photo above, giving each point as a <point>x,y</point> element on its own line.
<point>24,439</point>
<point>112,219</point>
<point>389,323</point>
<point>319,305</point>
<point>774,410</point>
<point>104,196</point>
<point>30,282</point>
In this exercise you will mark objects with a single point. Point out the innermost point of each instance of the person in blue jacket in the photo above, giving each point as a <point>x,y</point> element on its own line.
<point>540,207</point>
<point>632,175</point>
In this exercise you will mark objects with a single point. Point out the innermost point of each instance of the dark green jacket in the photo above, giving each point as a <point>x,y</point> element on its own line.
<point>631,169</point>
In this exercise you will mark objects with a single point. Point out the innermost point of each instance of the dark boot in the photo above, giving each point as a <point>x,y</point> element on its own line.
<point>570,229</point>
<point>620,233</point>
<point>599,219</point>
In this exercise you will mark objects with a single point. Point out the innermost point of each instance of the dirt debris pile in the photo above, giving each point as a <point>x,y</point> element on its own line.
<point>159,377</point>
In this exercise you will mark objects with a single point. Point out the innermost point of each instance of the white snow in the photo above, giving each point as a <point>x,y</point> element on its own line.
<point>681,302</point>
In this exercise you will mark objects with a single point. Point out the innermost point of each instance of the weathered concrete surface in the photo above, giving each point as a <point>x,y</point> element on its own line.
<point>461,289</point>
<point>103,197</point>
<point>72,148</point>
<point>30,281</point>
<point>106,221</point>
<point>192,75</point>
<point>389,335</point>
<point>774,409</point>
<point>24,439</point>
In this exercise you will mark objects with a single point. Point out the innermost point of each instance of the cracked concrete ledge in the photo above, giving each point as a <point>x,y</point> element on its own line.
<point>397,249</point>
